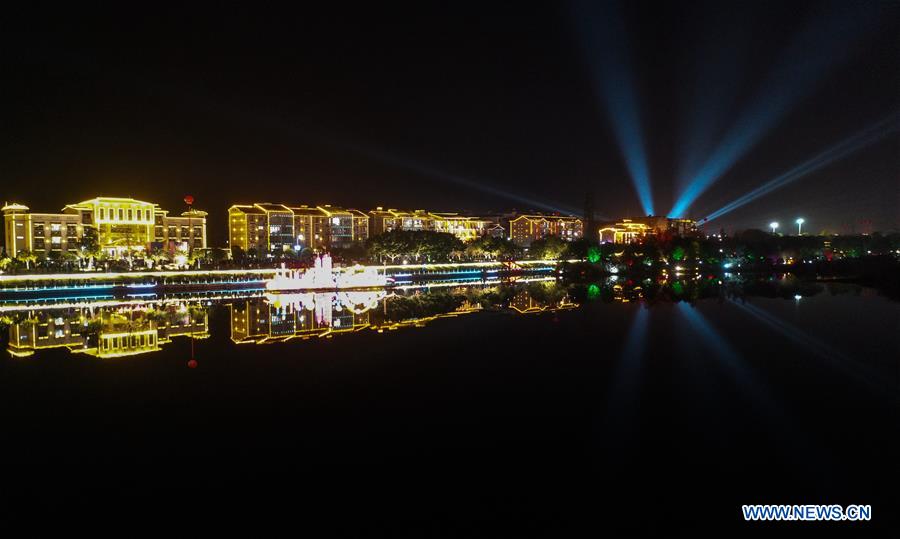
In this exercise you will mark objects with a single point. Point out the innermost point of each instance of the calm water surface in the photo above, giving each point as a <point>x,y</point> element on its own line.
<point>547,412</point>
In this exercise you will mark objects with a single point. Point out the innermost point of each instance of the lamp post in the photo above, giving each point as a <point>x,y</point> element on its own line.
<point>799,222</point>
<point>773,225</point>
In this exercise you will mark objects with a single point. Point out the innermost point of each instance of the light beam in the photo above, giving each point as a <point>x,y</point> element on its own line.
<point>605,43</point>
<point>862,139</point>
<point>824,43</point>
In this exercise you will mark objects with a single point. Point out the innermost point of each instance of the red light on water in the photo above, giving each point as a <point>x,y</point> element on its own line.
<point>192,364</point>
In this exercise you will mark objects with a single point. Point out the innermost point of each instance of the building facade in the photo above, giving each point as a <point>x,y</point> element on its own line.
<point>524,229</point>
<point>629,230</point>
<point>267,228</point>
<point>465,228</point>
<point>123,226</point>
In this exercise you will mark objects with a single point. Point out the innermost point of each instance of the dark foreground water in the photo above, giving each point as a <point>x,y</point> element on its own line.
<point>608,417</point>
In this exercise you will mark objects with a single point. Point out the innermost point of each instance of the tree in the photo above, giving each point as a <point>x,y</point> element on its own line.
<point>158,256</point>
<point>551,247</point>
<point>26,257</point>
<point>89,245</point>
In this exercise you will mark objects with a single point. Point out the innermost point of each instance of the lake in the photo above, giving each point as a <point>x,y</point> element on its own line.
<point>526,408</point>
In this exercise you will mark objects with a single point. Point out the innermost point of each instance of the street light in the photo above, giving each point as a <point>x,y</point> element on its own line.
<point>799,222</point>
<point>774,225</point>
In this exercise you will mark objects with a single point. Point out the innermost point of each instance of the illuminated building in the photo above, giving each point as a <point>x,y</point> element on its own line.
<point>123,226</point>
<point>629,230</point>
<point>106,333</point>
<point>625,231</point>
<point>264,228</point>
<point>463,227</point>
<point>524,229</point>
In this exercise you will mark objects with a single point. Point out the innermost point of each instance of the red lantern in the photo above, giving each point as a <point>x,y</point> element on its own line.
<point>188,200</point>
<point>192,364</point>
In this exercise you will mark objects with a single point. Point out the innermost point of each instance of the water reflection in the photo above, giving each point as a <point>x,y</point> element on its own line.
<point>111,329</point>
<point>105,332</point>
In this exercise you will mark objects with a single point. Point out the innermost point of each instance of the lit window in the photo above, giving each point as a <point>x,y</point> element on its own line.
<point>56,240</point>
<point>102,213</point>
<point>121,214</point>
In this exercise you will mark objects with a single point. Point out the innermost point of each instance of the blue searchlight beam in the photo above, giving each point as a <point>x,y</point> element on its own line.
<point>864,138</point>
<point>824,43</point>
<point>604,40</point>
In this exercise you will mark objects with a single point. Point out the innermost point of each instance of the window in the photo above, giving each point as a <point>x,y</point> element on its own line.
<point>56,240</point>
<point>121,214</point>
<point>102,213</point>
<point>55,227</point>
<point>130,215</point>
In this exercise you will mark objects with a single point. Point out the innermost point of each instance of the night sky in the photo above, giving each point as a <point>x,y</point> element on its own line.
<point>451,107</point>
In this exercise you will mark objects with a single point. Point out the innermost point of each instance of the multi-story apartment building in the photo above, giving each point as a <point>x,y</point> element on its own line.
<point>122,225</point>
<point>265,227</point>
<point>524,229</point>
<point>463,227</point>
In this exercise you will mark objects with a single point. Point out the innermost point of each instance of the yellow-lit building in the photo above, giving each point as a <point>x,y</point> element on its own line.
<point>264,227</point>
<point>465,228</point>
<point>524,229</point>
<point>625,231</point>
<point>629,230</point>
<point>123,226</point>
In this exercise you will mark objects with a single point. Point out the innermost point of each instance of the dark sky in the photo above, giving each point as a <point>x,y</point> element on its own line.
<point>415,106</point>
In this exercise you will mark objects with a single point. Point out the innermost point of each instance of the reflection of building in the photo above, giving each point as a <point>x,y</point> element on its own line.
<point>463,227</point>
<point>123,225</point>
<point>105,333</point>
<point>260,322</point>
<point>524,229</point>
<point>525,303</point>
<point>629,230</point>
<point>265,228</point>
<point>303,316</point>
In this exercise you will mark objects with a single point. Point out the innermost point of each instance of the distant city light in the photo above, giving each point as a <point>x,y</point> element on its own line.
<point>773,225</point>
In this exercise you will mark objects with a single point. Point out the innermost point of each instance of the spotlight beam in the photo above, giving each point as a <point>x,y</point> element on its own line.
<point>823,44</point>
<point>604,40</point>
<point>863,139</point>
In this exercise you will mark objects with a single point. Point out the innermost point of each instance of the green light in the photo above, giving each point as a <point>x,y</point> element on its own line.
<point>593,291</point>
<point>678,253</point>
<point>593,255</point>
<point>678,288</point>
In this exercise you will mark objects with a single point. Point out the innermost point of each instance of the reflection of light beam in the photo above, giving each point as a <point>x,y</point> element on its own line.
<point>622,402</point>
<point>855,143</point>
<point>821,45</point>
<point>623,392</point>
<point>859,371</point>
<point>737,368</point>
<point>603,37</point>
